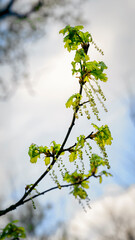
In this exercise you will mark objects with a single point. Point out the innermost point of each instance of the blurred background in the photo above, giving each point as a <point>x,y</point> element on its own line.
<point>35,82</point>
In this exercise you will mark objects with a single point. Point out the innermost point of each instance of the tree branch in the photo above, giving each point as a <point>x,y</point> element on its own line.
<point>59,187</point>
<point>21,201</point>
<point>5,11</point>
<point>72,124</point>
<point>81,104</point>
<point>69,148</point>
<point>14,206</point>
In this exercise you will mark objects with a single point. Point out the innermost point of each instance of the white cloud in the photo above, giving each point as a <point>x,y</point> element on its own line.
<point>104,216</point>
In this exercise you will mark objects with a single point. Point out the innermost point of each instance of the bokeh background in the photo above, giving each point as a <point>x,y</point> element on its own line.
<point>35,82</point>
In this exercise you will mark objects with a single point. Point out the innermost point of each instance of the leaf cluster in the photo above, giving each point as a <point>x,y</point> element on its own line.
<point>103,136</point>
<point>12,231</point>
<point>95,162</point>
<point>96,69</point>
<point>35,152</point>
<point>88,72</point>
<point>77,150</point>
<point>73,101</point>
<point>74,37</point>
<point>79,184</point>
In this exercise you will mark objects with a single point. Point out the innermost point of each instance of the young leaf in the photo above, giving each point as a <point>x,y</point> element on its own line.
<point>47,160</point>
<point>85,185</point>
<point>73,100</point>
<point>72,156</point>
<point>100,179</point>
<point>34,159</point>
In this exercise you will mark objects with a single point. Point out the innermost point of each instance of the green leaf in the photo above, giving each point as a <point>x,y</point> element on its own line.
<point>85,185</point>
<point>103,137</point>
<point>91,65</point>
<point>79,192</point>
<point>73,100</point>
<point>95,126</point>
<point>81,56</point>
<point>81,141</point>
<point>100,179</point>
<point>102,65</point>
<point>72,156</point>
<point>66,177</point>
<point>55,147</point>
<point>96,69</point>
<point>95,162</point>
<point>34,159</point>
<point>47,160</point>
<point>79,27</point>
<point>99,75</point>
<point>64,30</point>
<point>74,37</point>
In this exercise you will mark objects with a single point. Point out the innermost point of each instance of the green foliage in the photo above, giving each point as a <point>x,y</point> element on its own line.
<point>96,70</point>
<point>35,152</point>
<point>90,74</point>
<point>76,152</point>
<point>74,37</point>
<point>79,185</point>
<point>73,101</point>
<point>103,136</point>
<point>95,162</point>
<point>12,231</point>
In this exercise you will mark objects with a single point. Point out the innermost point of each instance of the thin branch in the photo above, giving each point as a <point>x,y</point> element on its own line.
<point>12,207</point>
<point>69,148</point>
<point>81,104</point>
<point>71,126</point>
<point>21,201</point>
<point>59,187</point>
<point>54,159</point>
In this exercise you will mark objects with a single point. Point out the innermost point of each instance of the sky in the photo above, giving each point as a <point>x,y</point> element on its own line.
<point>39,115</point>
<point>109,216</point>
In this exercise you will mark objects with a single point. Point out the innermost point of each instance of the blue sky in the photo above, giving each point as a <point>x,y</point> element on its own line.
<point>41,117</point>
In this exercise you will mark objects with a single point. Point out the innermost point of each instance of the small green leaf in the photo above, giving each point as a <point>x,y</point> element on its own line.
<point>66,177</point>
<point>73,100</point>
<point>34,159</point>
<point>47,160</point>
<point>100,179</point>
<point>96,69</point>
<point>81,193</point>
<point>84,185</point>
<point>103,137</point>
<point>72,156</point>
